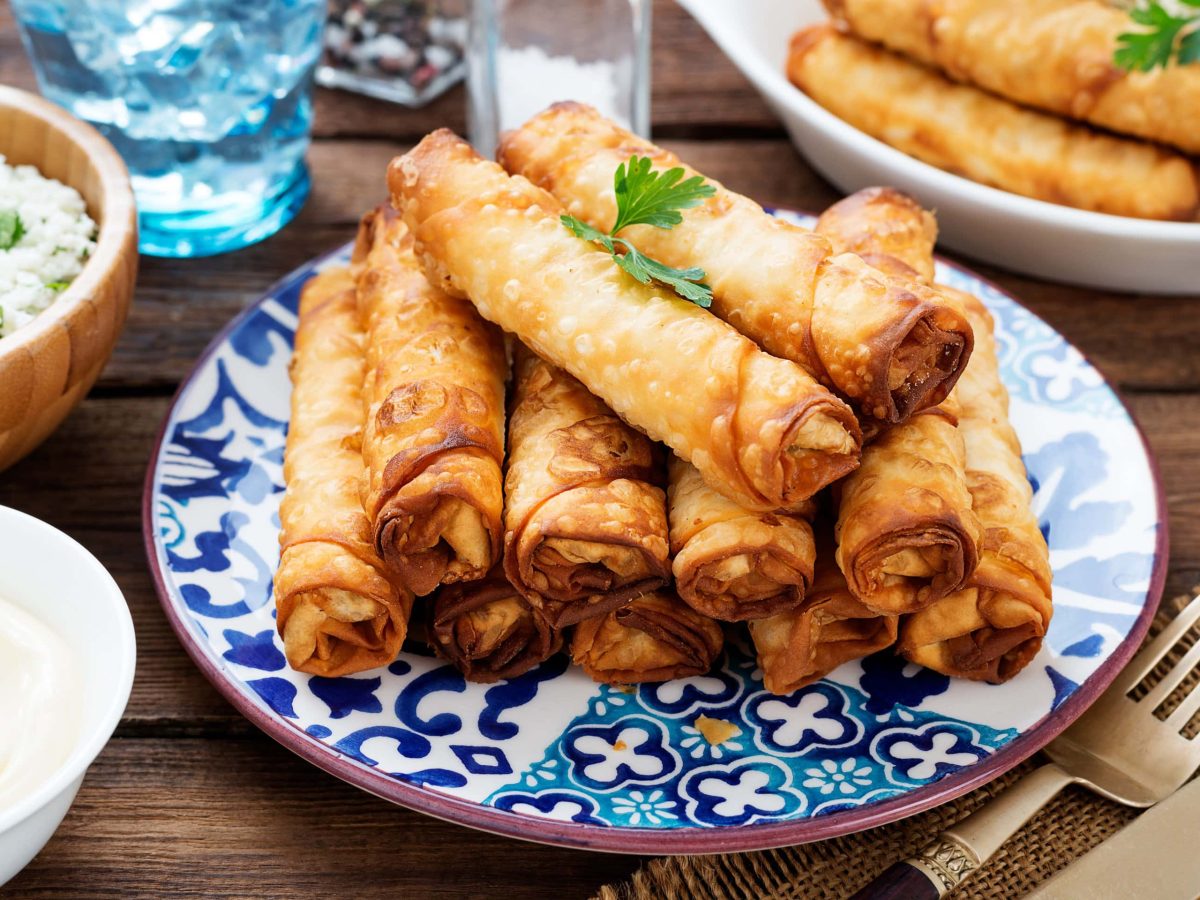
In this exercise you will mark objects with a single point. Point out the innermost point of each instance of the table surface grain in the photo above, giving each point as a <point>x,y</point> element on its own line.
<point>188,798</point>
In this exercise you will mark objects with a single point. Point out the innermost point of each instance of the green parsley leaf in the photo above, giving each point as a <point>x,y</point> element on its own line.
<point>1168,37</point>
<point>646,197</point>
<point>57,285</point>
<point>587,232</point>
<point>12,229</point>
<point>1189,47</point>
<point>687,283</point>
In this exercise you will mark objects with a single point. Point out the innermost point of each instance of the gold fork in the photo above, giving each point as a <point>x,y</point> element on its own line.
<point>1118,748</point>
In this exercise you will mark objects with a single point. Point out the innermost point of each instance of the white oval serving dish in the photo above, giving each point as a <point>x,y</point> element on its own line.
<point>1029,236</point>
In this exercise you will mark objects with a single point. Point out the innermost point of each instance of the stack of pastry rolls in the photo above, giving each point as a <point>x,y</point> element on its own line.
<point>535,451</point>
<point>1022,95</point>
<point>397,437</point>
<point>973,590</point>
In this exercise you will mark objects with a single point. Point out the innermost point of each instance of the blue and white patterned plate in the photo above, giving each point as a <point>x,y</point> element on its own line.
<point>551,756</point>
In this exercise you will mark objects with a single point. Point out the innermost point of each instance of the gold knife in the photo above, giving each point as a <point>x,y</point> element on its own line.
<point>1156,856</point>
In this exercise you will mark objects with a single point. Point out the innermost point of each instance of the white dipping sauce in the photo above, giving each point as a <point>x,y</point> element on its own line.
<point>39,703</point>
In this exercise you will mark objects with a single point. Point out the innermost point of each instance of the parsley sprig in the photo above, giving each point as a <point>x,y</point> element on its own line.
<point>1168,37</point>
<point>647,197</point>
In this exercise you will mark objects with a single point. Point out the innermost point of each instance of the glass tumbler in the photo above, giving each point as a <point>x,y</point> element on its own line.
<point>209,102</point>
<point>526,54</point>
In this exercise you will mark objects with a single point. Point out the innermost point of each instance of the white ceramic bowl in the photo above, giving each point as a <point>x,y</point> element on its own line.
<point>52,577</point>
<point>1018,233</point>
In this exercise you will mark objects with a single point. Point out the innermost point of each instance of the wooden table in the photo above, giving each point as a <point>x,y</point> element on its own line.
<point>188,798</point>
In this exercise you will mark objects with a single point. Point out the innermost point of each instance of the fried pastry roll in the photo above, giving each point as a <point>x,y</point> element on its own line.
<point>653,638</point>
<point>585,522</point>
<point>992,629</point>
<point>731,563</point>
<point>759,429</point>
<point>1056,55</point>
<point>890,345</point>
<point>488,630</point>
<point>434,436</point>
<point>336,610</point>
<point>906,534</point>
<point>866,222</point>
<point>986,138</point>
<point>830,627</point>
<point>989,630</point>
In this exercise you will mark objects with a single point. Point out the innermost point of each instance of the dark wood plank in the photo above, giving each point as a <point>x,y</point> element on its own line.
<point>695,89</point>
<point>87,480</point>
<point>246,818</point>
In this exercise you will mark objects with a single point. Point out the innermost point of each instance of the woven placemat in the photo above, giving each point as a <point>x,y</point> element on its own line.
<point>1073,823</point>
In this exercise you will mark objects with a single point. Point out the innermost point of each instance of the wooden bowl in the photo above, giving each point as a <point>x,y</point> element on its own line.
<point>47,366</point>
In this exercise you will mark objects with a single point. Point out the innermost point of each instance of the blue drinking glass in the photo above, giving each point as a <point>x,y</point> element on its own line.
<point>209,102</point>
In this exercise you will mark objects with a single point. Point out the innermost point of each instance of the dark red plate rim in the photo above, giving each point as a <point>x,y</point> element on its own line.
<point>618,839</point>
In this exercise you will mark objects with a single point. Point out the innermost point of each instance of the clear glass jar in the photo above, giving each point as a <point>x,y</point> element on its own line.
<point>209,102</point>
<point>405,51</point>
<point>526,54</point>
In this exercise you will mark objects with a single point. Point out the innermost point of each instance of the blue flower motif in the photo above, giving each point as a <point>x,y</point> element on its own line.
<point>611,699</point>
<point>890,682</point>
<point>654,808</point>
<point>558,804</point>
<point>277,693</point>
<point>254,651</point>
<point>846,777</point>
<point>346,695</point>
<point>634,749</point>
<point>1061,373</point>
<point>750,791</point>
<point>679,696</point>
<point>1062,472</point>
<point>928,753</point>
<point>697,745</point>
<point>813,717</point>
